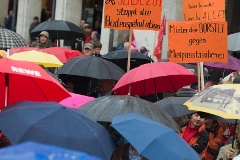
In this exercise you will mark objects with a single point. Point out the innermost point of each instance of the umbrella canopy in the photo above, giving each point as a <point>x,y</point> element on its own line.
<point>76,100</point>
<point>38,151</point>
<point>234,42</point>
<point>120,58</point>
<point>21,49</point>
<point>153,140</point>
<point>44,59</point>
<point>104,108</point>
<point>174,106</point>
<point>63,54</point>
<point>51,123</point>
<point>92,67</point>
<point>59,29</point>
<point>153,78</point>
<point>21,80</point>
<point>10,39</point>
<point>221,100</point>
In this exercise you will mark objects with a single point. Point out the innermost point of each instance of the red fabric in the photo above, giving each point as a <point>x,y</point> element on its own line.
<point>63,54</point>
<point>88,37</point>
<point>153,78</point>
<point>158,48</point>
<point>134,46</point>
<point>28,81</point>
<point>189,132</point>
<point>21,49</point>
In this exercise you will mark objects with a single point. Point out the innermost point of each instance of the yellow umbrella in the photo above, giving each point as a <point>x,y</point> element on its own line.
<point>41,58</point>
<point>221,100</point>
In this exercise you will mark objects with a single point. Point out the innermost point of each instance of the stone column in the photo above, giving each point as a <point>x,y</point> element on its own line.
<point>26,11</point>
<point>3,11</point>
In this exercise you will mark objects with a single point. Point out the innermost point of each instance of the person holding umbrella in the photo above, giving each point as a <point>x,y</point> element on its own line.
<point>43,40</point>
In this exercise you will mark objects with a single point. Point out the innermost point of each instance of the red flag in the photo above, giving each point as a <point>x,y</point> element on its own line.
<point>134,43</point>
<point>162,31</point>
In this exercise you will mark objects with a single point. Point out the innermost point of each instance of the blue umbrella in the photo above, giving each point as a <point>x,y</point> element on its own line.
<point>153,140</point>
<point>51,123</point>
<point>37,151</point>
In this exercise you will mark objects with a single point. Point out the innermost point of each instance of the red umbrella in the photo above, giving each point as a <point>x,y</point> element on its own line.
<point>21,49</point>
<point>20,80</point>
<point>153,78</point>
<point>63,54</point>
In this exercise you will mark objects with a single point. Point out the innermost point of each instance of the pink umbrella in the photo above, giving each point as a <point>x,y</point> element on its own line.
<point>76,100</point>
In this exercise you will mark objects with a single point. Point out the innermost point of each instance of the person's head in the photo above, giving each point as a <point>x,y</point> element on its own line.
<point>105,85</point>
<point>125,38</point>
<point>69,86</point>
<point>43,37</point>
<point>197,119</point>
<point>87,28</point>
<point>10,13</point>
<point>97,24</point>
<point>82,23</point>
<point>97,47</point>
<point>35,19</point>
<point>126,45</point>
<point>208,122</point>
<point>94,35</point>
<point>55,42</point>
<point>88,49</point>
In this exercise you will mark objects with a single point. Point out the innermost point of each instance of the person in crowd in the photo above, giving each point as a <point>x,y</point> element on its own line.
<point>121,45</point>
<point>8,20</point>
<point>215,132</point>
<point>214,77</point>
<point>88,49</point>
<point>69,85</point>
<point>97,49</point>
<point>194,133</point>
<point>55,42</point>
<point>97,27</point>
<point>105,87</point>
<point>126,45</point>
<point>43,40</point>
<point>227,152</point>
<point>32,26</point>
<point>82,23</point>
<point>88,31</point>
<point>126,152</point>
<point>94,37</point>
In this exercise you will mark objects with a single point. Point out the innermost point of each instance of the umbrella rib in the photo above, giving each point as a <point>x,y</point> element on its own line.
<point>39,89</point>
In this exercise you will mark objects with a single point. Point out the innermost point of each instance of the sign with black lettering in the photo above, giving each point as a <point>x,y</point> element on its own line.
<point>203,41</point>
<point>132,14</point>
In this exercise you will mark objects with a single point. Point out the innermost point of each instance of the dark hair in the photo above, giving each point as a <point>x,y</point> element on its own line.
<point>36,18</point>
<point>97,44</point>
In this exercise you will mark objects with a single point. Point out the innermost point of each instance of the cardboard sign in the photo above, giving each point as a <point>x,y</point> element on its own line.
<point>132,14</point>
<point>204,10</point>
<point>197,42</point>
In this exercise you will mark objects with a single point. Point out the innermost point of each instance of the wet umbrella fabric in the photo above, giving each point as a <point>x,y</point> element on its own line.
<point>27,81</point>
<point>10,39</point>
<point>59,29</point>
<point>154,78</point>
<point>21,49</point>
<point>54,124</point>
<point>120,58</point>
<point>147,136</point>
<point>234,42</point>
<point>174,106</point>
<point>38,151</point>
<point>92,67</point>
<point>104,108</point>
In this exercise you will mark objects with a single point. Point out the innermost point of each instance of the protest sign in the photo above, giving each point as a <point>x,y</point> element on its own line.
<point>204,10</point>
<point>197,42</point>
<point>132,14</point>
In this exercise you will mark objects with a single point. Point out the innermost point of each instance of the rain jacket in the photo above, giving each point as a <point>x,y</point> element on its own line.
<point>223,150</point>
<point>41,45</point>
<point>199,140</point>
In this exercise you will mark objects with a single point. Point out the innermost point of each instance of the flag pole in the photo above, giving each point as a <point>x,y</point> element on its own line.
<point>202,76</point>
<point>129,51</point>
<point>199,76</point>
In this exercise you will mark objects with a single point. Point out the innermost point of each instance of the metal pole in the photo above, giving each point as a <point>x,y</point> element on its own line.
<point>110,44</point>
<point>53,9</point>
<point>14,15</point>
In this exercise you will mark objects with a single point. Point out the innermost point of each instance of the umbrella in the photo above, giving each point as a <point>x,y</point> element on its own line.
<point>10,39</point>
<point>56,77</point>
<point>76,100</point>
<point>59,29</point>
<point>38,151</point>
<point>21,49</point>
<point>63,54</point>
<point>234,42</point>
<point>21,80</point>
<point>190,67</point>
<point>153,140</point>
<point>44,59</point>
<point>174,106</point>
<point>120,58</point>
<point>153,78</point>
<point>104,108</point>
<point>221,100</point>
<point>50,123</point>
<point>92,67</point>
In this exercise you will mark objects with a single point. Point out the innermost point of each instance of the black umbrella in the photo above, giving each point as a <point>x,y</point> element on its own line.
<point>10,39</point>
<point>59,29</point>
<point>120,58</point>
<point>53,124</point>
<point>104,108</point>
<point>174,106</point>
<point>192,68</point>
<point>92,67</point>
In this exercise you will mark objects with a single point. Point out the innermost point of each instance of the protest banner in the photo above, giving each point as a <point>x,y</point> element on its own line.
<point>132,14</point>
<point>204,10</point>
<point>197,42</point>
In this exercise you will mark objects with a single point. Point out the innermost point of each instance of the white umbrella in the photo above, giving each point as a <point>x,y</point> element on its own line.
<point>234,42</point>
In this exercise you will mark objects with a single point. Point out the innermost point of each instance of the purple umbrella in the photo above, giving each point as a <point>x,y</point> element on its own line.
<point>232,65</point>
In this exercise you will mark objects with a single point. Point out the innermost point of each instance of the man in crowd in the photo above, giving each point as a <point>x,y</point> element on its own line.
<point>88,49</point>
<point>94,37</point>
<point>8,20</point>
<point>33,25</point>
